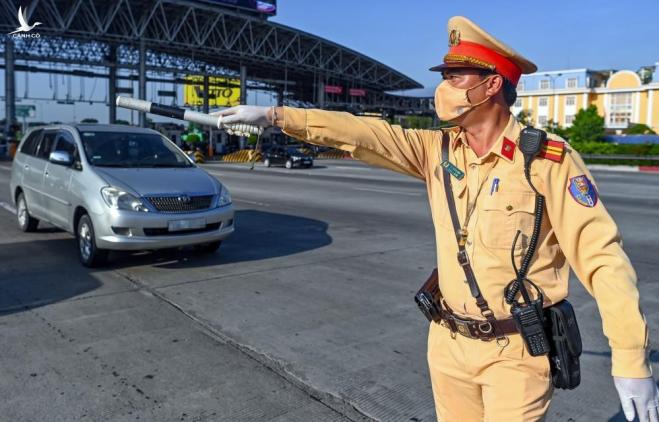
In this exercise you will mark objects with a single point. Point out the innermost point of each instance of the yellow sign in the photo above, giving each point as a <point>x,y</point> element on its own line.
<point>223,92</point>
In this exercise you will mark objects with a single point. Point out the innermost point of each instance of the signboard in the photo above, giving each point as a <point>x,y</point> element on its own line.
<point>333,89</point>
<point>267,7</point>
<point>222,92</point>
<point>357,92</point>
<point>26,110</point>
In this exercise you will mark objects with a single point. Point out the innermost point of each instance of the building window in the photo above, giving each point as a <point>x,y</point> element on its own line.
<point>620,109</point>
<point>542,121</point>
<point>571,83</point>
<point>518,102</point>
<point>520,86</point>
<point>570,100</point>
<point>543,101</point>
<point>544,84</point>
<point>569,119</point>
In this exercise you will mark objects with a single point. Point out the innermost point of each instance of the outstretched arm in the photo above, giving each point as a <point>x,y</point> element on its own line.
<point>368,139</point>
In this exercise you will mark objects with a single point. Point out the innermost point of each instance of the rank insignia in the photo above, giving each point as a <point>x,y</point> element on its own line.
<point>508,148</point>
<point>552,150</point>
<point>452,169</point>
<point>583,191</point>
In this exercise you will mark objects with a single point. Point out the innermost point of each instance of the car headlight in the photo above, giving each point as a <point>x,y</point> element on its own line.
<point>296,158</point>
<point>225,197</point>
<point>120,200</point>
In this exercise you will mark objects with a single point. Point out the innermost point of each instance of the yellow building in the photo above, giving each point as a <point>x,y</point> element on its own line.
<point>622,97</point>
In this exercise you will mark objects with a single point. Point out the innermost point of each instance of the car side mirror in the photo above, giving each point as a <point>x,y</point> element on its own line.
<point>61,157</point>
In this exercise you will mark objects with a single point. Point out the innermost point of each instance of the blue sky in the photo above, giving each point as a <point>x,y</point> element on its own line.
<point>410,36</point>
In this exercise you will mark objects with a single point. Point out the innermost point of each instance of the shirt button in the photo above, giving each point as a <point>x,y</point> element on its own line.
<point>509,207</point>
<point>469,242</point>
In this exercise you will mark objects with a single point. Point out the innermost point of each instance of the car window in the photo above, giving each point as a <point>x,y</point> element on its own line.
<point>46,145</point>
<point>126,149</point>
<point>65,143</point>
<point>30,144</point>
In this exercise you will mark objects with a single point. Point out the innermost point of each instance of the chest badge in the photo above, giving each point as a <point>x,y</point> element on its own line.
<point>452,169</point>
<point>583,191</point>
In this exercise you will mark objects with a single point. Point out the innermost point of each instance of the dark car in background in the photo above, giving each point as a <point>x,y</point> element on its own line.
<point>288,156</point>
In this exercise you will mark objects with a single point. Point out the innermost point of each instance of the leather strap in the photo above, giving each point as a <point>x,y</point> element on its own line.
<point>478,329</point>
<point>463,257</point>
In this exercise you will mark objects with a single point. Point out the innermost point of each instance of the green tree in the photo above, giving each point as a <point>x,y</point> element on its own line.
<point>122,122</point>
<point>588,126</point>
<point>639,129</point>
<point>416,122</point>
<point>524,117</point>
<point>553,127</point>
<point>89,120</point>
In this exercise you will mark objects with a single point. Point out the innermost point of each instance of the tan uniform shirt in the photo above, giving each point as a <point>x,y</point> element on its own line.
<point>585,238</point>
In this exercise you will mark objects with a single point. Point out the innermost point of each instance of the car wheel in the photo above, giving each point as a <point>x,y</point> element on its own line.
<point>289,164</point>
<point>26,222</point>
<point>210,247</point>
<point>89,254</point>
<point>266,162</point>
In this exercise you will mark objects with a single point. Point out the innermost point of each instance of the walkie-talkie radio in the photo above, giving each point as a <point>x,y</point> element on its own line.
<point>529,318</point>
<point>529,314</point>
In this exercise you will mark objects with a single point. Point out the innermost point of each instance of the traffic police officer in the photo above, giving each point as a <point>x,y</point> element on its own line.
<point>477,380</point>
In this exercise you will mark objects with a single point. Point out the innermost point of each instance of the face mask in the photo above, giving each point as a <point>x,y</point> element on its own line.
<point>452,102</point>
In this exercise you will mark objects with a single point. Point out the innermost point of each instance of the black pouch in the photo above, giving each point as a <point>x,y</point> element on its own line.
<point>565,339</point>
<point>428,298</point>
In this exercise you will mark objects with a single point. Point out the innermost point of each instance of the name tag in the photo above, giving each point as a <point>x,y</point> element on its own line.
<point>452,169</point>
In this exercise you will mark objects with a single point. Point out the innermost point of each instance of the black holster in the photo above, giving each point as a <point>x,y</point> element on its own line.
<point>565,340</point>
<point>429,298</point>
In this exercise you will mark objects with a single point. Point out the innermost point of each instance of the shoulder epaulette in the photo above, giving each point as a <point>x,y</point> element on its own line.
<point>552,150</point>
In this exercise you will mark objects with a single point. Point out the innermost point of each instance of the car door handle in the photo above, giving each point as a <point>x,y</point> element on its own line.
<point>26,167</point>
<point>46,173</point>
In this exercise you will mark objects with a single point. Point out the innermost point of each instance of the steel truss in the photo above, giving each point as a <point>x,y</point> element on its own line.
<point>193,37</point>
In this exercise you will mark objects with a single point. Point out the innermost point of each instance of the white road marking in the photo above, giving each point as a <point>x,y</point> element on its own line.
<point>5,168</point>
<point>396,192</point>
<point>261,204</point>
<point>352,168</point>
<point>8,207</point>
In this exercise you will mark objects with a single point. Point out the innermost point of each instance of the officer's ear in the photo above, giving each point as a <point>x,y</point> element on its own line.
<point>494,84</point>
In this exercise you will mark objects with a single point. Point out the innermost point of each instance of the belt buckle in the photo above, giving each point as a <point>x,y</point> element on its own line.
<point>463,328</point>
<point>463,258</point>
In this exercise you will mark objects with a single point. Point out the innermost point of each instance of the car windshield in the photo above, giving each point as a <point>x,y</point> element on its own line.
<point>294,150</point>
<point>126,149</point>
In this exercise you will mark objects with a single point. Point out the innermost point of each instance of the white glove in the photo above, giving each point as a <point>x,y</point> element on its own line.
<point>251,115</point>
<point>639,392</point>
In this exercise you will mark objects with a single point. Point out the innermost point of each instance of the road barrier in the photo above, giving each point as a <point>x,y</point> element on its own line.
<point>198,157</point>
<point>242,156</point>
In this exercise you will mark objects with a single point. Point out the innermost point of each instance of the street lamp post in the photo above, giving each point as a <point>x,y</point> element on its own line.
<point>553,94</point>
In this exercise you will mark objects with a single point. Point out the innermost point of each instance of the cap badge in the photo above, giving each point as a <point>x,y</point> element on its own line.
<point>454,38</point>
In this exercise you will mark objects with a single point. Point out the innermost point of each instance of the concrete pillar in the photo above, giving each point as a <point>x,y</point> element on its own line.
<point>10,86</point>
<point>112,84</point>
<point>321,92</point>
<point>141,89</point>
<point>243,84</point>
<point>206,94</point>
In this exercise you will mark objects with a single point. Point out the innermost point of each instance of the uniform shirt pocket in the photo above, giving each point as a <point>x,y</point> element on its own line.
<point>502,215</point>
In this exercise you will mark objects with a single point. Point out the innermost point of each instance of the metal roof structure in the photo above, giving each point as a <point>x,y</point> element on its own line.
<point>189,37</point>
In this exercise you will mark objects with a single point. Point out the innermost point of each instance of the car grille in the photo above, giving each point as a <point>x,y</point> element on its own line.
<point>180,203</point>
<point>163,231</point>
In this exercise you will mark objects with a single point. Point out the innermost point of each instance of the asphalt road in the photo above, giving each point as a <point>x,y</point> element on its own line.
<point>306,313</point>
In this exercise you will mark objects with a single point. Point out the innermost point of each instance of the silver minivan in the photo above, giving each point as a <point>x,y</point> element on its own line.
<point>117,188</point>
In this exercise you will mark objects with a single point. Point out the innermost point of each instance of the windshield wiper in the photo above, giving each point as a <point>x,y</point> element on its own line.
<point>111,165</point>
<point>162,165</point>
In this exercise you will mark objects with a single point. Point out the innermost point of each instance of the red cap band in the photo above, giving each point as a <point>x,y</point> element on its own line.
<point>504,66</point>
